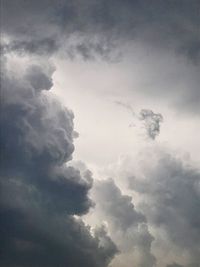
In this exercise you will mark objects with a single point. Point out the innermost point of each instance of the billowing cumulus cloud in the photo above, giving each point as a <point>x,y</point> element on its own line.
<point>127,227</point>
<point>40,194</point>
<point>170,199</point>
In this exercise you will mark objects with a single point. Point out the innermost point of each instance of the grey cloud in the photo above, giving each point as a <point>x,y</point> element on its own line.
<point>151,122</point>
<point>179,265</point>
<point>173,25</point>
<point>171,199</point>
<point>44,46</point>
<point>33,234</point>
<point>101,28</point>
<point>116,205</point>
<point>38,79</point>
<point>127,226</point>
<point>105,242</point>
<point>40,193</point>
<point>91,49</point>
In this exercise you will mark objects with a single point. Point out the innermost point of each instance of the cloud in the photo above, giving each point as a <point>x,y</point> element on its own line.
<point>171,25</point>
<point>109,30</point>
<point>40,193</point>
<point>116,205</point>
<point>38,79</point>
<point>151,122</point>
<point>170,199</point>
<point>174,265</point>
<point>127,227</point>
<point>46,46</point>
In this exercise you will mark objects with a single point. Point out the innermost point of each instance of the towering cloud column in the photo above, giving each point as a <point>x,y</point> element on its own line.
<point>40,194</point>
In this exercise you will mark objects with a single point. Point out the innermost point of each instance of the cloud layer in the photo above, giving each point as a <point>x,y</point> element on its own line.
<point>170,24</point>
<point>108,29</point>
<point>43,195</point>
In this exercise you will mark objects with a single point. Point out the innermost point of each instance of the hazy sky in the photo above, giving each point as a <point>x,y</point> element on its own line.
<point>100,123</point>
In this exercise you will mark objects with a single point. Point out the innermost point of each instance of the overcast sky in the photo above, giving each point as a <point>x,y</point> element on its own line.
<point>100,123</point>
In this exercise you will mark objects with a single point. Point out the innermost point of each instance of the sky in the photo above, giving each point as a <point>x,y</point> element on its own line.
<point>100,122</point>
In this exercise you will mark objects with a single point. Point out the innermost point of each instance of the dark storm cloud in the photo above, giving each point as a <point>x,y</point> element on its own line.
<point>151,122</point>
<point>39,192</point>
<point>128,227</point>
<point>93,29</point>
<point>172,24</point>
<point>171,190</point>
